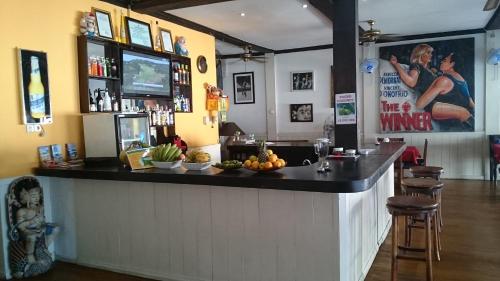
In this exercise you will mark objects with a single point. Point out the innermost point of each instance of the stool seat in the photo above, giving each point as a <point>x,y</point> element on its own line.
<point>422,183</point>
<point>412,202</point>
<point>426,170</point>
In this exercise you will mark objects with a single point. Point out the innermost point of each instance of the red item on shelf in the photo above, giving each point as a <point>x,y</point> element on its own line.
<point>496,152</point>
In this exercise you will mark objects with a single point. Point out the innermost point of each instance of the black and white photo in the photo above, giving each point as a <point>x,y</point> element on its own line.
<point>302,81</point>
<point>243,88</point>
<point>301,112</point>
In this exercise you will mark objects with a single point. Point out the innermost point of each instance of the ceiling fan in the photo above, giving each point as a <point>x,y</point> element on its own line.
<point>249,55</point>
<point>491,5</point>
<point>372,35</point>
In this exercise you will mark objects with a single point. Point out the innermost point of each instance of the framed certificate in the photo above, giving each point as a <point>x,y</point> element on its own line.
<point>138,33</point>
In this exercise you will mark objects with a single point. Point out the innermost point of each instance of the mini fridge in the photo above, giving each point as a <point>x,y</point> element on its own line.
<point>106,134</point>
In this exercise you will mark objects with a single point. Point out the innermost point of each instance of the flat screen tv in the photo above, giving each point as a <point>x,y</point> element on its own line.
<point>145,75</point>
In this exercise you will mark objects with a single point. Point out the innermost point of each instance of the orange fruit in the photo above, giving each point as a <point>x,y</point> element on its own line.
<point>261,166</point>
<point>268,165</point>
<point>272,158</point>
<point>248,163</point>
<point>283,163</point>
<point>277,164</point>
<point>269,152</point>
<point>255,165</point>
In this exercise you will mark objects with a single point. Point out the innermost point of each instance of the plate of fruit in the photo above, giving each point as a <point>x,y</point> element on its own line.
<point>229,165</point>
<point>167,156</point>
<point>197,160</point>
<point>266,161</point>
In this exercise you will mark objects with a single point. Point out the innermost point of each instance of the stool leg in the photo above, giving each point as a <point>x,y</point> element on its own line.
<point>441,224</point>
<point>394,263</point>
<point>428,247</point>
<point>437,242</point>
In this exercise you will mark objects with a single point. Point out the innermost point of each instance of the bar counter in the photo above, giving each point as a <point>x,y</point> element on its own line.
<point>346,176</point>
<point>292,224</point>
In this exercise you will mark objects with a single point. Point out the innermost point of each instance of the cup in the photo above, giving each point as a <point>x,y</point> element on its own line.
<point>350,152</point>
<point>387,140</point>
<point>338,151</point>
<point>321,148</point>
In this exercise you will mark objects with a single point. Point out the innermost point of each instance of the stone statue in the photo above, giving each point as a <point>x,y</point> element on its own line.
<point>180,46</point>
<point>29,234</point>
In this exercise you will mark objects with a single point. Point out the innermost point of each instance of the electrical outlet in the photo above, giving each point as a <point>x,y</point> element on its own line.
<point>33,128</point>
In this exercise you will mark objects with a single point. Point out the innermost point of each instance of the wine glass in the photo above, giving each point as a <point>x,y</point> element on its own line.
<point>321,149</point>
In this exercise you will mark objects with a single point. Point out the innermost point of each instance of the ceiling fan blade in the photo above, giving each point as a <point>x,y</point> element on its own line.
<point>387,37</point>
<point>258,60</point>
<point>491,5</point>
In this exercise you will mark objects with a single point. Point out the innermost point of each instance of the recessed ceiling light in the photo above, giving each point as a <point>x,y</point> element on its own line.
<point>304,6</point>
<point>242,14</point>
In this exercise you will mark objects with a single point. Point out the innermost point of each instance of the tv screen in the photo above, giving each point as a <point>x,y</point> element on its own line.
<point>145,75</point>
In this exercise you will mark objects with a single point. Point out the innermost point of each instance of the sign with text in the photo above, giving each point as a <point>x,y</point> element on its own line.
<point>345,108</point>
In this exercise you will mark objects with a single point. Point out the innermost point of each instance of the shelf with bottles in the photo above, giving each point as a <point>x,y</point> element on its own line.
<point>98,71</point>
<point>181,84</point>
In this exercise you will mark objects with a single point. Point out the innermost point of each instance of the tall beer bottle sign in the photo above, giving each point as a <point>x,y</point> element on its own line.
<point>36,91</point>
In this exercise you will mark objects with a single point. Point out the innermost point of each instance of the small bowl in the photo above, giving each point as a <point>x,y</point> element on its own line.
<point>350,152</point>
<point>167,165</point>
<point>196,166</point>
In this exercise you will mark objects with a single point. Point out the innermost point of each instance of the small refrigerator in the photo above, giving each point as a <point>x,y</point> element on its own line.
<point>106,134</point>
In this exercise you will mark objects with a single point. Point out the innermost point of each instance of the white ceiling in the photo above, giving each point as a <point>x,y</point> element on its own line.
<point>284,24</point>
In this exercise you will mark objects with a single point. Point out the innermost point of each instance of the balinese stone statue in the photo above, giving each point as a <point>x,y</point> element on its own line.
<point>29,234</point>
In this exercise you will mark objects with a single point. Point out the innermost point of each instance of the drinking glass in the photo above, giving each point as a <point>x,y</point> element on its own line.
<point>321,147</point>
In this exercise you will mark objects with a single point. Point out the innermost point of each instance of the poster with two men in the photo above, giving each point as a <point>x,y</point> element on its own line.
<point>427,87</point>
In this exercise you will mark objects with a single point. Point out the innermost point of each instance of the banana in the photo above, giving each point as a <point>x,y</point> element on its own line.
<point>171,151</point>
<point>165,152</point>
<point>176,154</point>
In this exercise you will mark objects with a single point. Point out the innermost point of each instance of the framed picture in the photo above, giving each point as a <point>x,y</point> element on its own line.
<point>244,89</point>
<point>302,112</point>
<point>166,40</point>
<point>34,85</point>
<point>302,81</point>
<point>104,25</point>
<point>138,33</point>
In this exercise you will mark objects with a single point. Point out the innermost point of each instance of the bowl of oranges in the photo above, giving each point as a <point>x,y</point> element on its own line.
<point>264,163</point>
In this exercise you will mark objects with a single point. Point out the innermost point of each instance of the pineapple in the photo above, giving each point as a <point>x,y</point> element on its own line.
<point>262,156</point>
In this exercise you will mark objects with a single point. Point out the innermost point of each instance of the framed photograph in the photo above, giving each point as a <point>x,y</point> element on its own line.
<point>302,81</point>
<point>302,112</point>
<point>104,25</point>
<point>138,33</point>
<point>244,89</point>
<point>166,40</point>
<point>34,85</point>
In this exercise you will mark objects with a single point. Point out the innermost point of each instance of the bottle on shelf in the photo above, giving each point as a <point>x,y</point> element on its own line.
<point>93,107</point>
<point>36,90</point>
<point>186,71</point>
<point>181,75</point>
<point>114,68</point>
<point>153,117</point>
<point>171,114</point>
<point>108,68</point>
<point>114,103</point>
<point>187,105</point>
<point>93,64</point>
<point>107,101</point>
<point>98,100</point>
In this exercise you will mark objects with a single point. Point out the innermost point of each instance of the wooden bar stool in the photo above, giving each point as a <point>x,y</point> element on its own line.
<point>428,187</point>
<point>427,172</point>
<point>414,207</point>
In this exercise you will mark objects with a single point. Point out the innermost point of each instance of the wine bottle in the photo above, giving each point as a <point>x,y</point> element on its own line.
<point>114,68</point>
<point>99,100</point>
<point>187,74</point>
<point>93,107</point>
<point>176,73</point>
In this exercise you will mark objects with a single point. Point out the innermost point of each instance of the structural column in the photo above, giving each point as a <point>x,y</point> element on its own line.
<point>345,58</point>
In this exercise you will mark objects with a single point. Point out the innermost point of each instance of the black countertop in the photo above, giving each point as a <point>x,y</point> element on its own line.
<point>346,176</point>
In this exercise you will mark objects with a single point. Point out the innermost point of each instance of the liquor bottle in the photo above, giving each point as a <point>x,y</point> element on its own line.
<point>114,103</point>
<point>107,101</point>
<point>93,66</point>
<point>187,74</point>
<point>176,73</point>
<point>183,103</point>
<point>171,117</point>
<point>98,100</point>
<point>114,68</point>
<point>153,117</point>
<point>108,68</point>
<point>188,105</point>
<point>90,66</point>
<point>181,75</point>
<point>93,107</point>
<point>36,91</point>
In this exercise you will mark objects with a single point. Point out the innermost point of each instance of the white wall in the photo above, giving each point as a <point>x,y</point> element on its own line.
<point>320,62</point>
<point>462,155</point>
<point>492,126</point>
<point>251,118</point>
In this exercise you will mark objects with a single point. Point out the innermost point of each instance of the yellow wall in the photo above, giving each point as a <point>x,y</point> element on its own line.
<point>52,26</point>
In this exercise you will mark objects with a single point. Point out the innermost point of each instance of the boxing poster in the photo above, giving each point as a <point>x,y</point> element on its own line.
<point>427,87</point>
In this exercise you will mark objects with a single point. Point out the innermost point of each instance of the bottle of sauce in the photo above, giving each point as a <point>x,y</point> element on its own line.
<point>36,91</point>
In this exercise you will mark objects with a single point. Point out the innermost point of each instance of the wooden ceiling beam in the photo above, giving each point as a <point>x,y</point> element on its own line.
<point>326,8</point>
<point>166,5</point>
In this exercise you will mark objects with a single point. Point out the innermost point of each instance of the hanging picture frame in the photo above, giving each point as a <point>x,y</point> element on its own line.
<point>138,33</point>
<point>34,87</point>
<point>302,81</point>
<point>301,112</point>
<point>244,89</point>
<point>104,23</point>
<point>166,40</point>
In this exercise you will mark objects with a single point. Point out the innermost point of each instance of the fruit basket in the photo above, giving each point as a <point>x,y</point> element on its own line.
<point>264,170</point>
<point>167,165</point>
<point>265,162</point>
<point>196,166</point>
